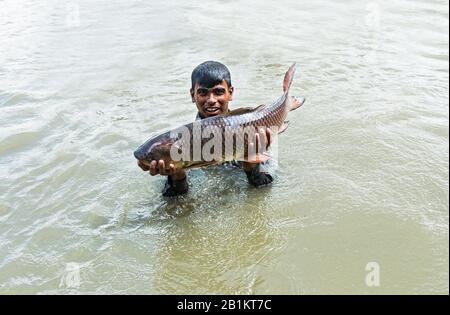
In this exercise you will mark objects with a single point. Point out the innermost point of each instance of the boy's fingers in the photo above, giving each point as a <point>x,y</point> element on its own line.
<point>263,140</point>
<point>171,169</point>
<point>153,171</point>
<point>161,165</point>
<point>251,150</point>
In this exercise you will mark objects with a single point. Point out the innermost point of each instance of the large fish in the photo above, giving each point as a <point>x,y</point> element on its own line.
<point>218,139</point>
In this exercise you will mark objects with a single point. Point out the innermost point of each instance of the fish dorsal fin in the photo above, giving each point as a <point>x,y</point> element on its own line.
<point>245,110</point>
<point>288,78</point>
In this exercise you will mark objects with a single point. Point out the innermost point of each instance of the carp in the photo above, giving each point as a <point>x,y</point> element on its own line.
<point>218,139</point>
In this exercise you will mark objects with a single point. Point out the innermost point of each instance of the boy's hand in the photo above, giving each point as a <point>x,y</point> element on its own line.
<point>159,167</point>
<point>262,138</point>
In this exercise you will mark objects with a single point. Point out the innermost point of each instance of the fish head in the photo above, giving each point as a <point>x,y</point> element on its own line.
<point>155,149</point>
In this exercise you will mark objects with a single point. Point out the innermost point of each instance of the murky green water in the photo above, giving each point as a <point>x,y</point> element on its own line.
<point>363,168</point>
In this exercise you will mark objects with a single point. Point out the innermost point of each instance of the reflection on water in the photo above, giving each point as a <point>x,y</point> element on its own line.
<point>363,167</point>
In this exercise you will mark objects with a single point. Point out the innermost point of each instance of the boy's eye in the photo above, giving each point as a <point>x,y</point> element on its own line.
<point>202,92</point>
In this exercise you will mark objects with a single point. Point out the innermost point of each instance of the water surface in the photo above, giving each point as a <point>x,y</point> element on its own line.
<point>363,168</point>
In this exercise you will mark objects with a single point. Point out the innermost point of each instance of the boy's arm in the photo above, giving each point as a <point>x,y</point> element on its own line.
<point>176,183</point>
<point>256,174</point>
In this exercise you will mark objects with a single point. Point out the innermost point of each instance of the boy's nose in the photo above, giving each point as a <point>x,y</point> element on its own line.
<point>211,98</point>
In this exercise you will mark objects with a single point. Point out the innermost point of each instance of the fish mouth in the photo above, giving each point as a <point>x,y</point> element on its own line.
<point>141,156</point>
<point>138,155</point>
<point>145,162</point>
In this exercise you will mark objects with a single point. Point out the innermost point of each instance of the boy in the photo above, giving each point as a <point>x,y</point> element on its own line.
<point>211,91</point>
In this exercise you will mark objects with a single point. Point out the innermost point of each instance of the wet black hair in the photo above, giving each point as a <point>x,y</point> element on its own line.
<point>210,73</point>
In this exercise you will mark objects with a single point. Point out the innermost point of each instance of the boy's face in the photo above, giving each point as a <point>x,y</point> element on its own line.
<point>212,101</point>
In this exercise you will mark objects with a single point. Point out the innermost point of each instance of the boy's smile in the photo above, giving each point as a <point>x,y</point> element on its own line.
<point>212,101</point>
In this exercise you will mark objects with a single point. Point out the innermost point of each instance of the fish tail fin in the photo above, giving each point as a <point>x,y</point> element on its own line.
<point>288,78</point>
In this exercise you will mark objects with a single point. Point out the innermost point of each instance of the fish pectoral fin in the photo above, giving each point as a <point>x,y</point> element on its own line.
<point>257,158</point>
<point>284,126</point>
<point>296,102</point>
<point>245,110</point>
